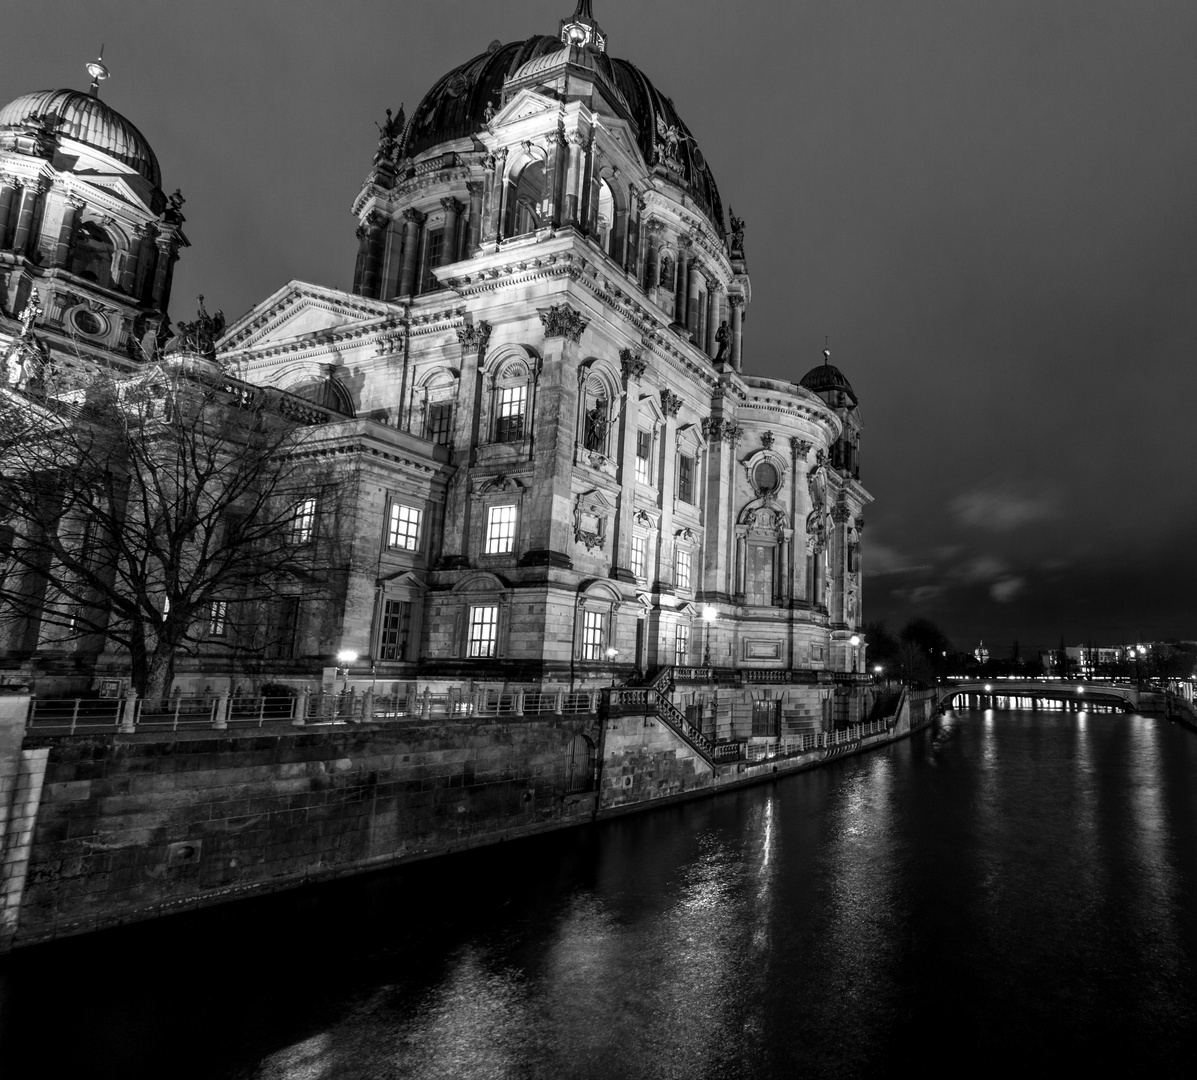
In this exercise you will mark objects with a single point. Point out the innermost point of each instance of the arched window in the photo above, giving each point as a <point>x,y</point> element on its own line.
<point>606,218</point>
<point>91,254</point>
<point>524,201</point>
<point>666,277</point>
<point>511,402</point>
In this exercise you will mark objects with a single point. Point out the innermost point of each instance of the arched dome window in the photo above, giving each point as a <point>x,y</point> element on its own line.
<point>91,255</point>
<point>523,208</point>
<point>606,218</point>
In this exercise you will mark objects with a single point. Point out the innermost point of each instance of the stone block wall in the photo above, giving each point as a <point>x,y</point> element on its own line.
<point>643,760</point>
<point>134,826</point>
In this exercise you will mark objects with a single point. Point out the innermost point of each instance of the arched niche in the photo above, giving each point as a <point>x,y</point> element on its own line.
<point>93,254</point>
<point>329,393</point>
<point>599,398</point>
<point>524,210</point>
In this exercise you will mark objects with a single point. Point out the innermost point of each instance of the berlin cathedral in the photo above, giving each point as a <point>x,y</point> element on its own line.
<point>563,476</point>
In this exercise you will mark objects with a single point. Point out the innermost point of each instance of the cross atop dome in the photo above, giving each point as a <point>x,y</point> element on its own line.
<point>581,29</point>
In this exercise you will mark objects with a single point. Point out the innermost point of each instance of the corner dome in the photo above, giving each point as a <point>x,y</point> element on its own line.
<point>455,108</point>
<point>86,119</point>
<point>826,378</point>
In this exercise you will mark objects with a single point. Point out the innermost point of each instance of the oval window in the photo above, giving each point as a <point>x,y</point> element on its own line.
<point>88,322</point>
<point>765,477</point>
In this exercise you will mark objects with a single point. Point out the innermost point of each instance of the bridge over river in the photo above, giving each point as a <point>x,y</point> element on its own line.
<point>1076,696</point>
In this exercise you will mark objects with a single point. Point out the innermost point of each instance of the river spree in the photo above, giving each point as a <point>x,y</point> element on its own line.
<point>1006,891</point>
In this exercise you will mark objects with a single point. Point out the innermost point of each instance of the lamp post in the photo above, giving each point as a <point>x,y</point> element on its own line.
<point>709,615</point>
<point>344,658</point>
<point>854,641</point>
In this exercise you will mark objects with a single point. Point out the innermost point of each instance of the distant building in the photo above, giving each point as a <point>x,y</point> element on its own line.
<point>561,475</point>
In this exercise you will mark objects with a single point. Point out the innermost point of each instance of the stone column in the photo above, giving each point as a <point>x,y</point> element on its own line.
<point>550,532</point>
<point>23,238</point>
<point>8,195</point>
<point>799,508</point>
<point>681,284</point>
<point>670,403</point>
<point>66,231</point>
<point>633,367</point>
<point>453,209</point>
<point>712,317</point>
<point>589,198</point>
<point>145,259</point>
<point>129,268</point>
<point>166,255</point>
<point>633,254</point>
<point>474,225</point>
<point>412,220</point>
<point>736,300</point>
<point>837,544</point>
<point>741,583</point>
<point>375,225</point>
<point>556,166</point>
<point>498,195</point>
<point>652,269</point>
<point>783,568</point>
<point>573,179</point>
<point>692,274</point>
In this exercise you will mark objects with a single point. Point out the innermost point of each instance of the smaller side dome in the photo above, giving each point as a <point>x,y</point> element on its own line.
<point>826,378</point>
<point>88,120</point>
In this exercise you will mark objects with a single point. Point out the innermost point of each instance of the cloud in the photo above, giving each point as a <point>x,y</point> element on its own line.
<point>919,594</point>
<point>881,559</point>
<point>1001,511</point>
<point>980,568</point>
<point>1006,589</point>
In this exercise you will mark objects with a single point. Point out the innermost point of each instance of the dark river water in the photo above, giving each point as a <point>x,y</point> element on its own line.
<point>1006,892</point>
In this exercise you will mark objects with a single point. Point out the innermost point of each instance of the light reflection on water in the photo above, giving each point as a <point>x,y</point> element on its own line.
<point>1007,888</point>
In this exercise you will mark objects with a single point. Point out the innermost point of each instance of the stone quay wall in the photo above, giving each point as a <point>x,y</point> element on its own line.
<point>134,826</point>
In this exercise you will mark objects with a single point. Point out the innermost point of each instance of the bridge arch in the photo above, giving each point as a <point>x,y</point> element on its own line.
<point>1069,693</point>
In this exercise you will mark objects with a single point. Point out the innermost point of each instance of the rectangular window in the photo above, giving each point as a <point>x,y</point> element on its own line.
<point>500,530</point>
<point>433,248</point>
<point>644,450</point>
<point>640,556</point>
<point>760,574</point>
<point>484,631</point>
<point>594,634</point>
<point>440,423</point>
<point>509,413</point>
<point>403,529</point>
<point>303,524</point>
<point>681,645</point>
<point>766,718</point>
<point>218,615</point>
<point>685,478</point>
<point>283,631</point>
<point>396,626</point>
<point>681,565</point>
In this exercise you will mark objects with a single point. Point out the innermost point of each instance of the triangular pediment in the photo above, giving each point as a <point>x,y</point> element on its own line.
<point>300,312</point>
<point>525,104</point>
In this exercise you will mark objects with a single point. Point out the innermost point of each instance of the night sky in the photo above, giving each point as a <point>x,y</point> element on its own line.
<point>987,208</point>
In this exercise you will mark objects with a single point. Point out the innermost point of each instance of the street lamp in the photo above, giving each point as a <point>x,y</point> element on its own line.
<point>709,615</point>
<point>344,658</point>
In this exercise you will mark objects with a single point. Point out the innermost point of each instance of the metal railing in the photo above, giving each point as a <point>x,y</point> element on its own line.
<point>73,716</point>
<point>646,699</point>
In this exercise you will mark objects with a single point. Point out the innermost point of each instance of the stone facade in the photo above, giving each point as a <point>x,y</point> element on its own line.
<point>559,473</point>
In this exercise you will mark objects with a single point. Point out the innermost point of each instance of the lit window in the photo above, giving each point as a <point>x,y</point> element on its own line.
<point>681,644</point>
<point>484,631</point>
<point>396,625</point>
<point>681,575</point>
<point>403,530</point>
<point>685,478</point>
<point>218,618</point>
<point>594,634</point>
<point>640,556</point>
<point>440,423</point>
<point>500,530</point>
<point>303,524</point>
<point>509,413</point>
<point>644,449</point>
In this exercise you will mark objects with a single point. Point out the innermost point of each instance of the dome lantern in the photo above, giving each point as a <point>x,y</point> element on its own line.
<point>582,30</point>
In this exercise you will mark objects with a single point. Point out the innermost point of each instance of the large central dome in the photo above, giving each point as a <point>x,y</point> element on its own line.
<point>456,108</point>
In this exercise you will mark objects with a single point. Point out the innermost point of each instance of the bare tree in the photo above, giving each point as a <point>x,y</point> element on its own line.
<point>161,513</point>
